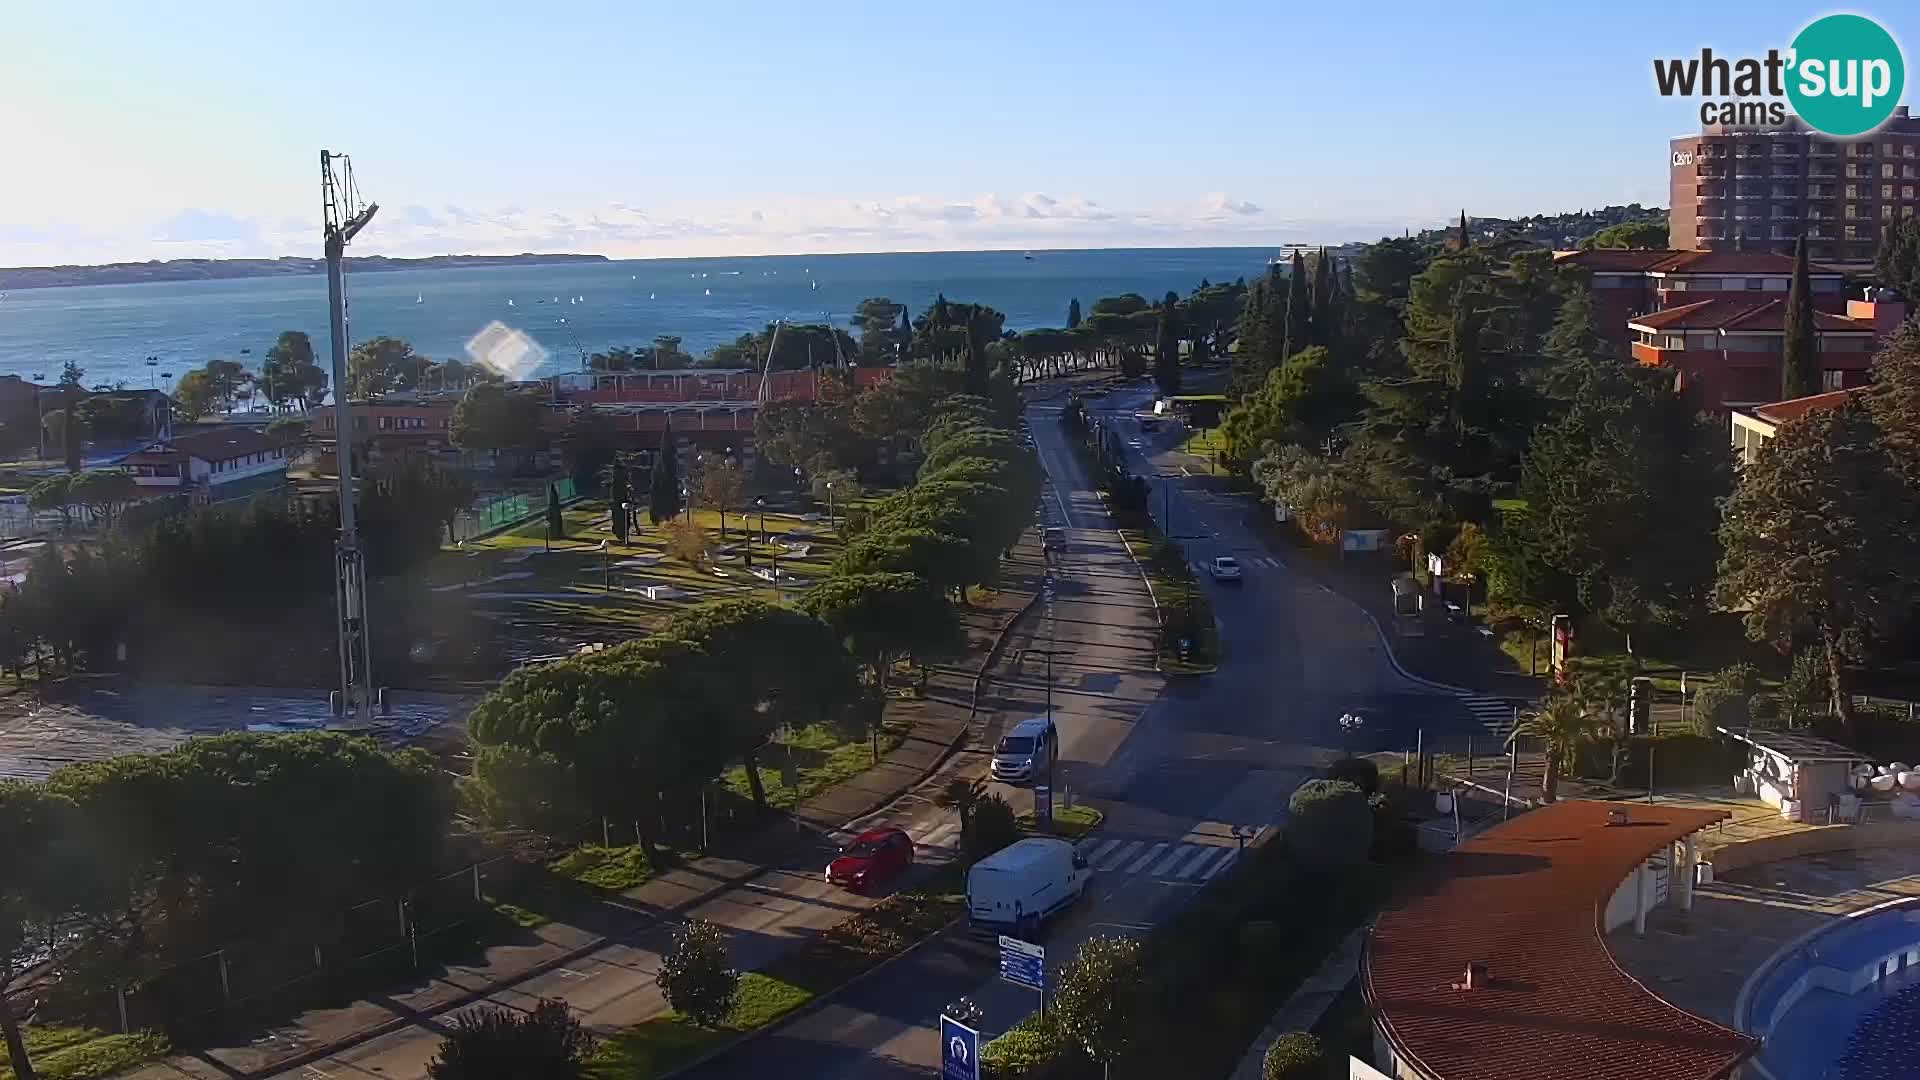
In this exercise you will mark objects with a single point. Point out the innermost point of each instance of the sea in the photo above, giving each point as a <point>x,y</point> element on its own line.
<point>148,334</point>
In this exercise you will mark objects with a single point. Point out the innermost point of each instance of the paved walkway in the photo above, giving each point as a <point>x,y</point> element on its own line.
<point>941,722</point>
<point>1309,1002</point>
<point>1700,959</point>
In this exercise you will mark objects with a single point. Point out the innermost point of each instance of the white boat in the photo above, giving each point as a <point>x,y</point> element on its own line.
<point>419,298</point>
<point>708,292</point>
<point>649,296</point>
<point>509,303</point>
<point>816,284</point>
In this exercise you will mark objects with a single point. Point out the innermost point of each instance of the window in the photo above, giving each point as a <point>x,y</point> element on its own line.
<point>386,423</point>
<point>1907,150</point>
<point>1887,149</point>
<point>1906,191</point>
<point>1833,380</point>
<point>1886,212</point>
<point>1886,191</point>
<point>1755,284</point>
<point>1853,231</point>
<point>1886,171</point>
<point>1700,341</point>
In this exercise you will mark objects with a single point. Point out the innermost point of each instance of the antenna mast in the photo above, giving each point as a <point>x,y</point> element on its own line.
<point>344,217</point>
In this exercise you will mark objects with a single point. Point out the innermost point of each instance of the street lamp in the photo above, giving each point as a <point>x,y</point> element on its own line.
<point>832,522</point>
<point>606,563</point>
<point>761,505</point>
<point>1350,725</point>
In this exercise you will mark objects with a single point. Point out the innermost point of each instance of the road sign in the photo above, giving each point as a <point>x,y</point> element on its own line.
<point>959,1050</point>
<point>1023,963</point>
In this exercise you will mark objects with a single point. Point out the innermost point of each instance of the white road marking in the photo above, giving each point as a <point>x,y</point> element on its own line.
<point>1219,863</point>
<point>941,836</point>
<point>1122,854</point>
<point>1199,853</point>
<point>1143,860</point>
<point>1161,868</point>
<point>1100,850</point>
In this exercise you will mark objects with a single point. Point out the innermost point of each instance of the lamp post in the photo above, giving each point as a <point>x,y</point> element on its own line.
<point>760,504</point>
<point>606,564</point>
<point>1350,725</point>
<point>832,521</point>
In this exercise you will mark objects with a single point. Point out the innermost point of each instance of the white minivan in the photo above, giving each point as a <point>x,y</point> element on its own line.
<point>1025,883</point>
<point>1027,753</point>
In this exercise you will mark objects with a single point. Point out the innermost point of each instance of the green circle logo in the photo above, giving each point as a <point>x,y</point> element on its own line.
<point>1845,75</point>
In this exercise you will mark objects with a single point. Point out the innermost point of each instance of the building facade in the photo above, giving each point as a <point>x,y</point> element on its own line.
<point>1744,190</point>
<point>1730,348</point>
<point>1754,427</point>
<point>213,466</point>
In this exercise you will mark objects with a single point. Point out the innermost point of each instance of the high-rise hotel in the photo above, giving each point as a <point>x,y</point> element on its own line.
<point>1746,190</point>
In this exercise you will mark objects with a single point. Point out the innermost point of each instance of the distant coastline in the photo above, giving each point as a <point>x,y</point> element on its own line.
<point>48,277</point>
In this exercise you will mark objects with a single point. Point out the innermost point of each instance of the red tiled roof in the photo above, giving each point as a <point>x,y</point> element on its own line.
<point>1615,260</point>
<point>152,457</point>
<point>1526,898</point>
<point>223,444</point>
<point>1742,312</point>
<point>1619,260</point>
<point>1780,412</point>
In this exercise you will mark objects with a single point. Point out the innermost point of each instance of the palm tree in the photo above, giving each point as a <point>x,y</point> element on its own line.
<point>1566,725</point>
<point>1604,690</point>
<point>962,797</point>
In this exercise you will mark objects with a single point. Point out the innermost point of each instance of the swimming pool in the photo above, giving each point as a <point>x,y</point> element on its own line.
<point>1843,1002</point>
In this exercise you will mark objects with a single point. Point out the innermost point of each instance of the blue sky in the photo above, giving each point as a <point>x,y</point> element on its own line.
<point>137,130</point>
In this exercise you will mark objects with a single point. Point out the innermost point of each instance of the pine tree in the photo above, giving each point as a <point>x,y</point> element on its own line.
<point>1894,398</point>
<point>906,334</point>
<point>1800,346</point>
<point>1465,239</point>
<point>1299,318</point>
<point>663,492</point>
<point>1897,263</point>
<point>1166,356</point>
<point>1073,313</point>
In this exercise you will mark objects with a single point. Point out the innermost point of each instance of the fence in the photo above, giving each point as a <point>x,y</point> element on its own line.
<point>369,945</point>
<point>511,508</point>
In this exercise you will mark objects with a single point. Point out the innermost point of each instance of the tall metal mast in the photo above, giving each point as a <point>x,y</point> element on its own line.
<point>344,217</point>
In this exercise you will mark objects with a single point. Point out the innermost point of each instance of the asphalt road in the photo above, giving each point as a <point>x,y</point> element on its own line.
<point>1175,764</point>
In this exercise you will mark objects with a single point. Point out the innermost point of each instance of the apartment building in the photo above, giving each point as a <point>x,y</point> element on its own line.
<point>1730,348</point>
<point>1759,191</point>
<point>1628,283</point>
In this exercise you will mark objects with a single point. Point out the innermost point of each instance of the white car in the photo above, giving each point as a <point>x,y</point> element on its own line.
<point>1224,568</point>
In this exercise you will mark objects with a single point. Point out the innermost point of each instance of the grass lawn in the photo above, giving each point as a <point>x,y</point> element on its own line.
<point>83,1053</point>
<point>614,869</point>
<point>666,1043</point>
<point>1069,822</point>
<point>1177,592</point>
<point>1205,443</point>
<point>823,757</point>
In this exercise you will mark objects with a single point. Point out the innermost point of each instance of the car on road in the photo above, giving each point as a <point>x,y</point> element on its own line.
<point>1224,568</point>
<point>1053,539</point>
<point>872,857</point>
<point>1025,753</point>
<point>1019,887</point>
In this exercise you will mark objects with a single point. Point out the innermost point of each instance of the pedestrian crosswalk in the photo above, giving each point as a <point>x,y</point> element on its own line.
<point>1160,859</point>
<point>1493,715</point>
<point>1248,561</point>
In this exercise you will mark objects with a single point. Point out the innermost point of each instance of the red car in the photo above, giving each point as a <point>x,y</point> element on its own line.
<point>872,857</point>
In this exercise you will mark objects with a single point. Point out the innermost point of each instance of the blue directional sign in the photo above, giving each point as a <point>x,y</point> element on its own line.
<point>1023,963</point>
<point>959,1050</point>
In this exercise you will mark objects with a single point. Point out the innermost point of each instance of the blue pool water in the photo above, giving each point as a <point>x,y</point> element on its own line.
<point>1843,1004</point>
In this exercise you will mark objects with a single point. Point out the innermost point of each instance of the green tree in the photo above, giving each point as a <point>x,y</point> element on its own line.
<point>1331,824</point>
<point>102,492</point>
<point>35,877</point>
<point>663,489</point>
<point>1575,338</point>
<point>193,395</point>
<point>1299,325</point>
<point>556,522</point>
<point>1296,1055</point>
<point>1894,397</point>
<point>291,372</point>
<point>882,618</point>
<point>1629,459</point>
<point>1897,262</point>
<point>1073,313</point>
<point>495,1043</point>
<point>230,380</point>
<point>936,558</point>
<point>1102,1002</point>
<point>383,365</point>
<point>1816,543</point>
<point>619,495</point>
<point>1166,357</point>
<point>54,493</point>
<point>1325,319</point>
<point>719,485</point>
<point>1629,234</point>
<point>994,827</point>
<point>962,797</point>
<point>1800,345</point>
<point>491,417</point>
<point>70,431</point>
<point>697,976</point>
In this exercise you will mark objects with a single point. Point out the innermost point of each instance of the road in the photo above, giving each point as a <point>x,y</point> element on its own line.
<point>1175,764</point>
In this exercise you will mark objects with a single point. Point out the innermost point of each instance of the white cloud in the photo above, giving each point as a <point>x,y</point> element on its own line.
<point>780,225</point>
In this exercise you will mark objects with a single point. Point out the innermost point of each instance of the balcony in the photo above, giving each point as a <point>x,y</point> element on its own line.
<point>1820,233</point>
<point>1821,150</point>
<point>1786,150</point>
<point>1749,195</point>
<point>1713,174</point>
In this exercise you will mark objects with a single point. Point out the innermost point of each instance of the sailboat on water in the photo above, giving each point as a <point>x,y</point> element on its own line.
<point>419,298</point>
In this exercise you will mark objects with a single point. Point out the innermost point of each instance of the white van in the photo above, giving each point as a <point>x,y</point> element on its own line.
<point>1023,884</point>
<point>1026,753</point>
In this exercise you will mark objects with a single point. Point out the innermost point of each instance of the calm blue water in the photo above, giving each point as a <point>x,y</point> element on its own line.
<point>111,329</point>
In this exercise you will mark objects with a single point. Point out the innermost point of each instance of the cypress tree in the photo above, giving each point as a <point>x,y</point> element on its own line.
<point>1465,241</point>
<point>1325,326</point>
<point>556,524</point>
<point>1299,318</point>
<point>663,492</point>
<point>906,334</point>
<point>1073,313</point>
<point>1800,346</point>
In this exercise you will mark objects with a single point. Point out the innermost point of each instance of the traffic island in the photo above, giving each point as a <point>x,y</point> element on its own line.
<point>1189,637</point>
<point>1069,822</point>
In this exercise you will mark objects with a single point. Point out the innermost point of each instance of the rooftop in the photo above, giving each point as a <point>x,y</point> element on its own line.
<point>1659,261</point>
<point>1780,412</point>
<point>223,444</point>
<point>1742,313</point>
<point>1527,899</point>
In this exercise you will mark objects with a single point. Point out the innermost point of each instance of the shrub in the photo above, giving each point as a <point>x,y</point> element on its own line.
<point>1031,1048</point>
<point>1716,707</point>
<point>1102,999</point>
<point>1358,771</point>
<point>1295,1056</point>
<point>994,826</point>
<point>1806,694</point>
<point>492,1043</point>
<point>695,976</point>
<point>1262,944</point>
<point>1331,825</point>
